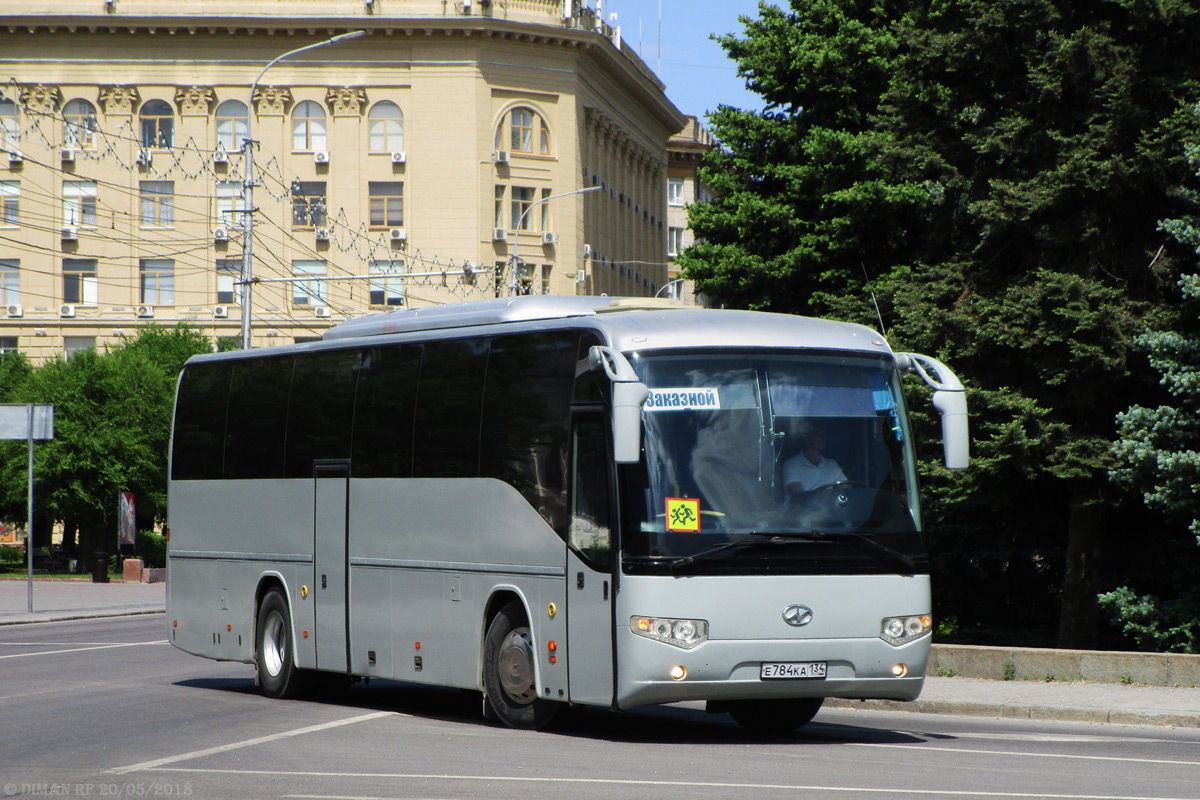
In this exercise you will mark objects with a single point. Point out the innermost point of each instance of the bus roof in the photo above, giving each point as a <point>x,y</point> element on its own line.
<point>631,323</point>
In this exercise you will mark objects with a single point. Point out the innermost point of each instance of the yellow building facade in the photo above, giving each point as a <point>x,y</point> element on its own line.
<point>453,151</point>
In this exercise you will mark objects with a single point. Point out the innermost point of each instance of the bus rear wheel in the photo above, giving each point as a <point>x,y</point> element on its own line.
<point>508,672</point>
<point>775,717</point>
<point>274,649</point>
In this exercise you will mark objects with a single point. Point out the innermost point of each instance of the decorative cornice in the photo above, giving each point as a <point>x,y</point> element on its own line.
<point>118,100</point>
<point>194,101</point>
<point>347,101</point>
<point>272,101</point>
<point>41,98</point>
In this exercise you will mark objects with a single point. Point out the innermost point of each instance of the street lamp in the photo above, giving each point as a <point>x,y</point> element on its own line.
<point>516,259</point>
<point>668,287</point>
<point>248,184</point>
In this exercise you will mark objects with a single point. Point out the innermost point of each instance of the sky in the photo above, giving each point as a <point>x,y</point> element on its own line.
<point>698,75</point>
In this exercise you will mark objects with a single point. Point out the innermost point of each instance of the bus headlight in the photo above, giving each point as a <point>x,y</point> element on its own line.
<point>685,633</point>
<point>902,630</point>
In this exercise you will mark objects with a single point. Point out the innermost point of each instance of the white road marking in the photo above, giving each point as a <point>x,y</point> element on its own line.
<point>161,762</point>
<point>1015,754</point>
<point>81,649</point>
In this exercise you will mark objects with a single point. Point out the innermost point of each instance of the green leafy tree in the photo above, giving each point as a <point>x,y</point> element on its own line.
<point>112,421</point>
<point>994,173</point>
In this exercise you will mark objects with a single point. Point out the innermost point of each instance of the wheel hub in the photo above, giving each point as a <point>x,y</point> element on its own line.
<point>515,666</point>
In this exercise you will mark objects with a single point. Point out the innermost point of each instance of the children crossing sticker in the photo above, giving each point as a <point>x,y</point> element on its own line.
<point>683,514</point>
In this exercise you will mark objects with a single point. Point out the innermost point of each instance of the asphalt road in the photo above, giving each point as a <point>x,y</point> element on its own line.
<point>105,708</point>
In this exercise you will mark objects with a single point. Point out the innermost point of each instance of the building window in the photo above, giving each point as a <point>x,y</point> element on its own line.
<point>308,292</point>
<point>523,131</point>
<point>524,279</point>
<point>498,222</point>
<point>10,203</point>
<point>80,286</point>
<point>10,281</point>
<point>308,204</point>
<point>158,204</point>
<point>385,125</point>
<point>545,210</point>
<point>229,203</point>
<point>674,241</point>
<point>8,344</point>
<point>546,269</point>
<point>229,272</point>
<point>158,281</point>
<point>522,202</point>
<point>232,125</point>
<point>158,125</point>
<point>308,127</point>
<point>388,291</point>
<point>674,191</point>
<point>10,125</point>
<point>79,203</point>
<point>79,125</point>
<point>386,202</point>
<point>77,344</point>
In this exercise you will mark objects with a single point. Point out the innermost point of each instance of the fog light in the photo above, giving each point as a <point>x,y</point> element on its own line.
<point>899,670</point>
<point>678,673</point>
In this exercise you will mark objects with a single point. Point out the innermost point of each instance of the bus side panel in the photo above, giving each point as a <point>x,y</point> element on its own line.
<point>746,628</point>
<point>218,558</point>
<point>436,551</point>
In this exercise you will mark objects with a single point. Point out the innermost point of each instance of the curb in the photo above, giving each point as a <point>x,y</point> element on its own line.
<point>1017,711</point>
<point>72,616</point>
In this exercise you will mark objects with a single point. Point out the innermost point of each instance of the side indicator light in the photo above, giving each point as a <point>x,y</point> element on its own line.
<point>306,634</point>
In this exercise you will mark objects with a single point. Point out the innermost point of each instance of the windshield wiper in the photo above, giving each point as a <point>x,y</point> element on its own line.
<point>891,552</point>
<point>686,560</point>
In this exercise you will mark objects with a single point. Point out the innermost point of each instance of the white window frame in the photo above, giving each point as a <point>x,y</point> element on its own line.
<point>79,203</point>
<point>309,292</point>
<point>156,277</point>
<point>392,286</point>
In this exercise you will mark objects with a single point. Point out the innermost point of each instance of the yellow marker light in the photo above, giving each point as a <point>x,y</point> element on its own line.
<point>678,672</point>
<point>900,670</point>
<point>552,610</point>
<point>304,592</point>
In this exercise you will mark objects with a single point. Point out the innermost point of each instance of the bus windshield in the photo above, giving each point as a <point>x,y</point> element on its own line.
<point>789,461</point>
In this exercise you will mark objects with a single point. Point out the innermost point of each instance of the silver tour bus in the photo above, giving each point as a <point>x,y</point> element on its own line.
<point>552,500</point>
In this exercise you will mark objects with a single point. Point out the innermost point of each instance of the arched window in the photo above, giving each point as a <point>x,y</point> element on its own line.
<point>10,125</point>
<point>79,125</point>
<point>523,131</point>
<point>158,125</point>
<point>231,125</point>
<point>308,127</point>
<point>385,128</point>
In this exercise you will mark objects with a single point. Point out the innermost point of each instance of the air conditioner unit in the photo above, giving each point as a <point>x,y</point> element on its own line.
<point>221,312</point>
<point>500,156</point>
<point>70,233</point>
<point>587,250</point>
<point>549,238</point>
<point>322,312</point>
<point>322,234</point>
<point>67,154</point>
<point>399,157</point>
<point>499,234</point>
<point>398,234</point>
<point>144,158</point>
<point>15,157</point>
<point>15,310</point>
<point>321,157</point>
<point>220,234</point>
<point>145,312</point>
<point>220,156</point>
<point>66,311</point>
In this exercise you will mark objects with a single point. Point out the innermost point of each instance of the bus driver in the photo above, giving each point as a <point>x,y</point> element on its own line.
<point>809,469</point>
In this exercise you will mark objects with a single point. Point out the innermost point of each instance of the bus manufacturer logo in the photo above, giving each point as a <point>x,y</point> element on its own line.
<point>797,615</point>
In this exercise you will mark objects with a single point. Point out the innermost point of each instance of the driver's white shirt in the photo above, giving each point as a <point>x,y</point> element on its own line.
<point>799,469</point>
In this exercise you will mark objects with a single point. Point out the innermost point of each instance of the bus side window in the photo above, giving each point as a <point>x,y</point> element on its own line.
<point>383,412</point>
<point>591,534</point>
<point>449,402</point>
<point>257,424</point>
<point>199,447</point>
<point>321,408</point>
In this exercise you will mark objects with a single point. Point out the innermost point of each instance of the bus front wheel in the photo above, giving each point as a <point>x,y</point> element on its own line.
<point>274,649</point>
<point>775,717</point>
<point>508,672</point>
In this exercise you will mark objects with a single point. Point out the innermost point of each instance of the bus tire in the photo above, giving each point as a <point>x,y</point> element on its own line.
<point>508,672</point>
<point>775,717</point>
<point>274,649</point>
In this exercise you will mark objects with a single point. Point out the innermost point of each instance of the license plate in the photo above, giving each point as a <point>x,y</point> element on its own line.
<point>793,670</point>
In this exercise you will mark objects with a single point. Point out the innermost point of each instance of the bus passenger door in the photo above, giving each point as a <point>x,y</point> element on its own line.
<point>330,606</point>
<point>589,566</point>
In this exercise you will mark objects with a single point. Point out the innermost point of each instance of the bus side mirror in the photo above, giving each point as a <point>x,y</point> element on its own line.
<point>950,399</point>
<point>628,395</point>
